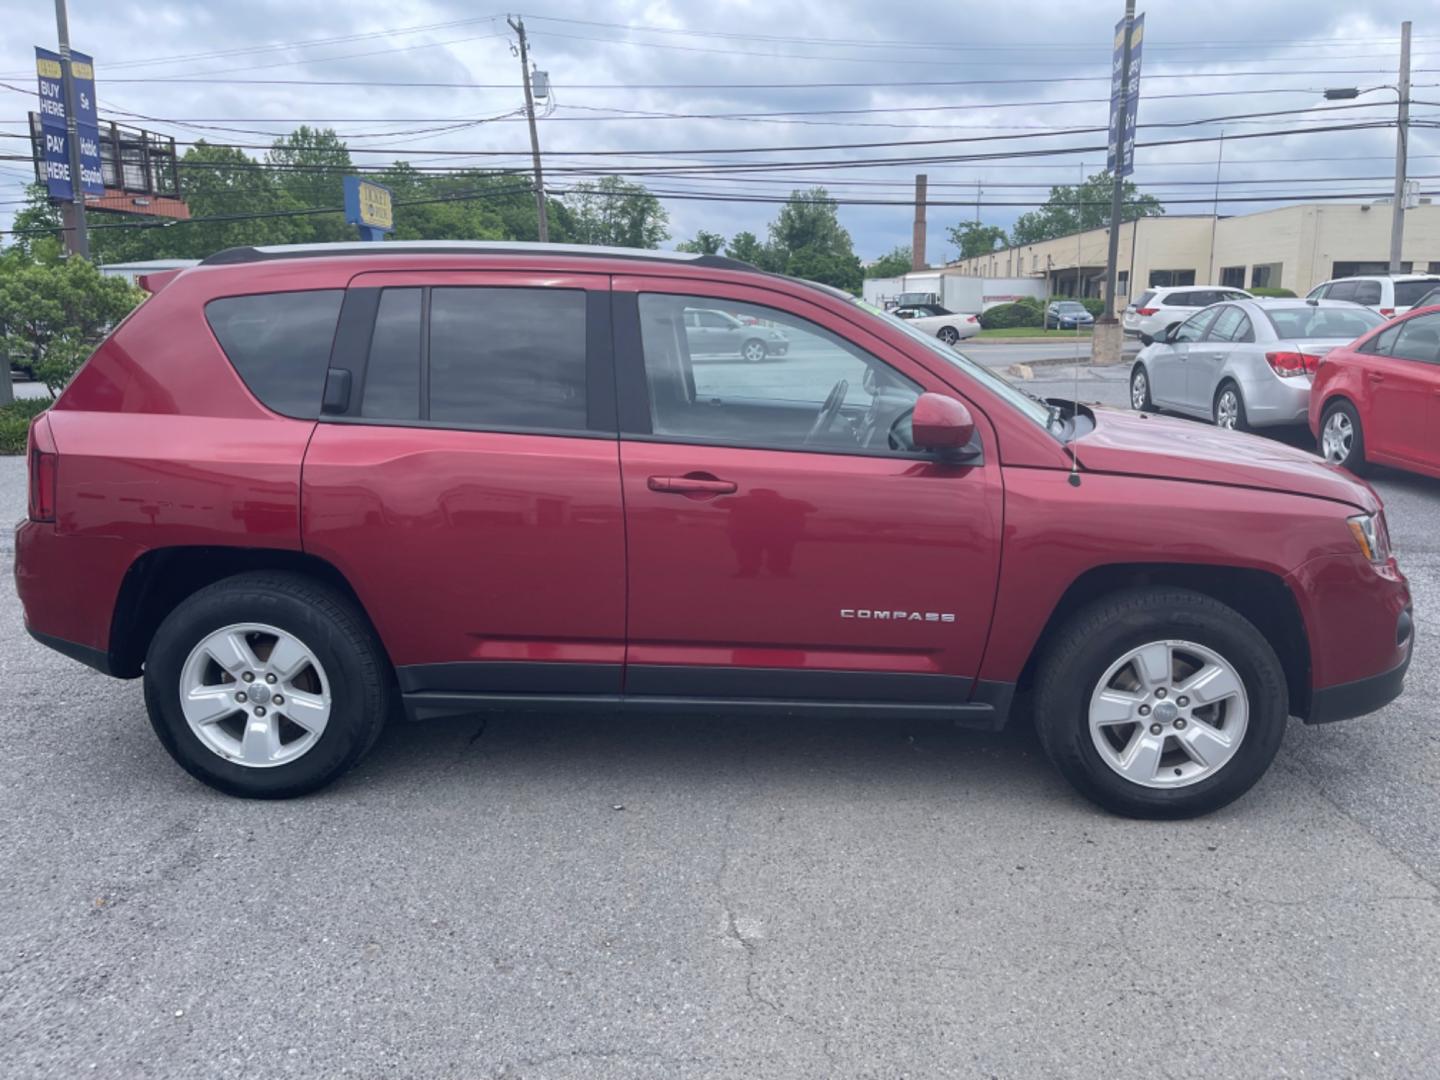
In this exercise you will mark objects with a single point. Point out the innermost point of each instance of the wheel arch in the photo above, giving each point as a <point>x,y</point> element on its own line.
<point>1260,596</point>
<point>160,579</point>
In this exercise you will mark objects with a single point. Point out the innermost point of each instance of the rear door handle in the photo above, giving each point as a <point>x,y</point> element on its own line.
<point>693,484</point>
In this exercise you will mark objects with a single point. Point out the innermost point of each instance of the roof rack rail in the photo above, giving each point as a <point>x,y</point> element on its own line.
<point>264,253</point>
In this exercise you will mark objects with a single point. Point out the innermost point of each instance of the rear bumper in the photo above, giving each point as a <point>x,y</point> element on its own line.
<point>1271,400</point>
<point>1362,696</point>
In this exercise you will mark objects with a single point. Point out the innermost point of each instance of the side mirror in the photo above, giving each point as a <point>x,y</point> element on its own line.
<point>1146,339</point>
<point>1170,334</point>
<point>939,422</point>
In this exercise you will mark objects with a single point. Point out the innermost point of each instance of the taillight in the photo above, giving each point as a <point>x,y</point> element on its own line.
<point>1146,310</point>
<point>971,318</point>
<point>1287,364</point>
<point>44,463</point>
<point>1388,312</point>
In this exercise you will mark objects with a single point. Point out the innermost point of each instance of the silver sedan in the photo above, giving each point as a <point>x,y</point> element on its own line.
<point>1247,363</point>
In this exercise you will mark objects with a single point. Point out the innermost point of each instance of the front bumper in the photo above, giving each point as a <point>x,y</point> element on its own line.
<point>1363,696</point>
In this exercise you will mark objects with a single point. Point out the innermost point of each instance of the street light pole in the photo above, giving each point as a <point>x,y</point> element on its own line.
<point>77,237</point>
<point>1118,194</point>
<point>543,219</point>
<point>1402,139</point>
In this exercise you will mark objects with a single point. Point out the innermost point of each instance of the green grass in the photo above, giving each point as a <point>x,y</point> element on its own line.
<point>1025,332</point>
<point>15,422</point>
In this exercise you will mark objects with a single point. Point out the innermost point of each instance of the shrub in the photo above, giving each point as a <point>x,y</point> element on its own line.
<point>15,422</point>
<point>1004,316</point>
<point>1262,290</point>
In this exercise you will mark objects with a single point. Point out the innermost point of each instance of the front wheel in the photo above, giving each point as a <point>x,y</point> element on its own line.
<point>1342,441</point>
<point>949,335</point>
<point>1140,390</point>
<point>267,685</point>
<point>1161,703</point>
<point>753,351</point>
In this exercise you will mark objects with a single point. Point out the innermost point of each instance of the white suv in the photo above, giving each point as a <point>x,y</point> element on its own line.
<point>1157,309</point>
<point>1388,294</point>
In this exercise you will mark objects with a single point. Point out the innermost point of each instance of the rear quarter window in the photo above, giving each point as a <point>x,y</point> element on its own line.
<point>1408,292</point>
<point>279,343</point>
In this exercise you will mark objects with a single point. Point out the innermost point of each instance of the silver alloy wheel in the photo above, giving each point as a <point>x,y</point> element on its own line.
<point>255,695</point>
<point>754,351</point>
<point>1169,714</point>
<point>1337,437</point>
<point>949,335</point>
<point>1227,409</point>
<point>1139,389</point>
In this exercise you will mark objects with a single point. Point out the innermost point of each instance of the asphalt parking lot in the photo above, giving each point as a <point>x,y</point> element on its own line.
<point>547,898</point>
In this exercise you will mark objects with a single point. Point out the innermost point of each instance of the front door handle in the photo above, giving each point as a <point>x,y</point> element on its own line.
<point>693,484</point>
<point>1375,376</point>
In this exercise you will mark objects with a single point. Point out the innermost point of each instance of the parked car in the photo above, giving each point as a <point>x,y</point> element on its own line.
<point>1158,309</point>
<point>948,326</point>
<point>1389,294</point>
<point>1245,364</point>
<point>302,488</point>
<point>1378,400</point>
<point>717,333</point>
<point>1067,315</point>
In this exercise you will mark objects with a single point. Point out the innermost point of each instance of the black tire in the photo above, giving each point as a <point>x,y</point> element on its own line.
<point>949,335</point>
<point>754,351</point>
<point>1098,636</point>
<point>1242,422</point>
<point>1354,460</point>
<point>328,623</point>
<point>1146,403</point>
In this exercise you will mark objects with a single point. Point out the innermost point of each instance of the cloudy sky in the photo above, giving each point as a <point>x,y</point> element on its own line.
<point>693,93</point>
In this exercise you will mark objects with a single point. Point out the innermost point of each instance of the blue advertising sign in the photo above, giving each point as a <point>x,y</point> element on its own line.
<point>369,205</point>
<point>1124,100</point>
<point>55,162</point>
<point>55,151</point>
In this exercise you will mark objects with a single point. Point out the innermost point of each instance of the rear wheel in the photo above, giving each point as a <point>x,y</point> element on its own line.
<point>1342,441</point>
<point>267,685</point>
<point>949,335</point>
<point>1140,390</point>
<point>1229,408</point>
<point>753,351</point>
<point>1161,703</point>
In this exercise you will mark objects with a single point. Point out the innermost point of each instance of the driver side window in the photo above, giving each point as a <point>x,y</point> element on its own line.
<point>1193,328</point>
<point>789,384</point>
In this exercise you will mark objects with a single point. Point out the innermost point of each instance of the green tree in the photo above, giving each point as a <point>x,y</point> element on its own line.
<point>1071,209</point>
<point>618,213</point>
<point>38,223</point>
<point>311,165</point>
<point>746,247</point>
<point>808,235</point>
<point>973,239</point>
<point>892,264</point>
<point>54,312</point>
<point>705,243</point>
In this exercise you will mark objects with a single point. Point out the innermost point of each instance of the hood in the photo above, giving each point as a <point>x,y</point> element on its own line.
<point>1140,444</point>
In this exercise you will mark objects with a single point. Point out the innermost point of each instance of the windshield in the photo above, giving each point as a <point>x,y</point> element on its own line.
<point>1297,323</point>
<point>1070,305</point>
<point>1035,409</point>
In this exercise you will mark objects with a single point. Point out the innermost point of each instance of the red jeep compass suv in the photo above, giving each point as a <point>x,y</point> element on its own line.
<point>302,489</point>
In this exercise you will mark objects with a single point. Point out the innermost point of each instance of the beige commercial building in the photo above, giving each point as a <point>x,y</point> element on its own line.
<point>1295,247</point>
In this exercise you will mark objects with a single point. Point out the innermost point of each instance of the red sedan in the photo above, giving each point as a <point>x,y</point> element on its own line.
<point>1377,401</point>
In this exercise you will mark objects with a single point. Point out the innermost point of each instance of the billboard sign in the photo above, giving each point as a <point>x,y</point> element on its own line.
<point>370,206</point>
<point>1124,100</point>
<point>55,141</point>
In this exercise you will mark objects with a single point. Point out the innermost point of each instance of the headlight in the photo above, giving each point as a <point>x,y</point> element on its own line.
<point>1372,536</point>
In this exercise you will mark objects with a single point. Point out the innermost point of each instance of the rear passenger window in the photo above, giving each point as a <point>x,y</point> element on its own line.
<point>279,343</point>
<point>508,358</point>
<point>1368,293</point>
<point>392,374</point>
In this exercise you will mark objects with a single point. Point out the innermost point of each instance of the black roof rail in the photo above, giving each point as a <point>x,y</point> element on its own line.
<point>238,255</point>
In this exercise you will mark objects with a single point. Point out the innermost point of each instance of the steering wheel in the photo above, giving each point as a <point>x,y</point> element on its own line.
<point>825,418</point>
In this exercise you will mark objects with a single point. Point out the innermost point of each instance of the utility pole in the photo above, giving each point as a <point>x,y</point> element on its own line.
<point>77,239</point>
<point>917,235</point>
<point>1214,208</point>
<point>1113,255</point>
<point>518,25</point>
<point>1402,139</point>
